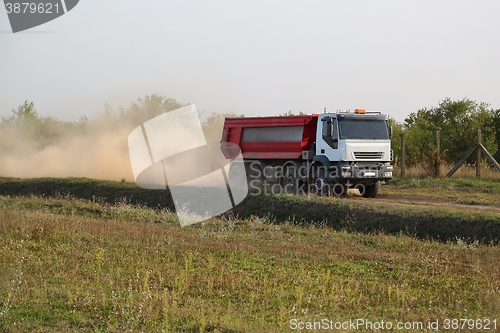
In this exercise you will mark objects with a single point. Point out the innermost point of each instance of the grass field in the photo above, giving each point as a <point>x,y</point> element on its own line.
<point>94,256</point>
<point>462,190</point>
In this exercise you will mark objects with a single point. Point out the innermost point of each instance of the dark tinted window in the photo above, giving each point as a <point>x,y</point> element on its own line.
<point>330,132</point>
<point>363,129</point>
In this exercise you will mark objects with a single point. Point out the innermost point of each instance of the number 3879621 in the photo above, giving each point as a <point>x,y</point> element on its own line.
<point>31,7</point>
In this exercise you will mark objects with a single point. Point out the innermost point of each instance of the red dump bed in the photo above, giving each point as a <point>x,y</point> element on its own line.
<point>271,137</point>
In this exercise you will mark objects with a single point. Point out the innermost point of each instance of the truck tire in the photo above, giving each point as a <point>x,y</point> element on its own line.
<point>255,176</point>
<point>371,190</point>
<point>291,181</point>
<point>339,189</point>
<point>320,185</point>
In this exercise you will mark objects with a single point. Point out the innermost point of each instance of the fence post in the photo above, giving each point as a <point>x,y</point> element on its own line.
<point>478,157</point>
<point>438,152</point>
<point>403,152</point>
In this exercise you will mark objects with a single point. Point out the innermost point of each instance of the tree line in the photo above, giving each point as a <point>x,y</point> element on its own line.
<point>457,120</point>
<point>46,131</point>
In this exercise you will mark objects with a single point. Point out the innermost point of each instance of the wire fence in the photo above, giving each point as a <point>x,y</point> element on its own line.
<point>460,169</point>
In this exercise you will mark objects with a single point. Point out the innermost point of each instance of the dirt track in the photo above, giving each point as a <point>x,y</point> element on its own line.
<point>415,201</point>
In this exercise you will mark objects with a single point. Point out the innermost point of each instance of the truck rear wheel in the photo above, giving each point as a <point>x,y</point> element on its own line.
<point>371,191</point>
<point>255,176</point>
<point>291,181</point>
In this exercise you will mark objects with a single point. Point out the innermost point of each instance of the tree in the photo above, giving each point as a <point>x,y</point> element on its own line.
<point>147,108</point>
<point>495,125</point>
<point>458,122</point>
<point>397,129</point>
<point>213,126</point>
<point>24,115</point>
<point>291,114</point>
<point>29,130</point>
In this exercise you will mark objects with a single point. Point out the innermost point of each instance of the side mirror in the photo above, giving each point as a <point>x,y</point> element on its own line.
<point>390,132</point>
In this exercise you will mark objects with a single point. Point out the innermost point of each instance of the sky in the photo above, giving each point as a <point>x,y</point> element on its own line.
<point>254,57</point>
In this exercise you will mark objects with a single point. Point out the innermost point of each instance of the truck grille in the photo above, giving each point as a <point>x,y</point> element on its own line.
<point>368,155</point>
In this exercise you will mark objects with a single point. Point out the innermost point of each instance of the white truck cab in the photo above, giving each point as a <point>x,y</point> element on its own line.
<point>355,148</point>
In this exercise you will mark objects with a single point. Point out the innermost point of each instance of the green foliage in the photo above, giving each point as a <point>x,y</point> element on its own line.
<point>214,124</point>
<point>29,131</point>
<point>24,115</point>
<point>291,114</point>
<point>148,107</point>
<point>458,122</point>
<point>495,125</point>
<point>25,125</point>
<point>397,129</point>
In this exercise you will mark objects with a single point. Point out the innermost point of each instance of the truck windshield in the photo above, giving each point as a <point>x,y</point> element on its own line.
<point>363,129</point>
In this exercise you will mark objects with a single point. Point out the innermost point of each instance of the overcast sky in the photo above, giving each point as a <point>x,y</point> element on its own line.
<point>255,57</point>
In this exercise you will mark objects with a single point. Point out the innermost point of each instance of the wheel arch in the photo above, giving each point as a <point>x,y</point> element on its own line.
<point>292,163</point>
<point>318,161</point>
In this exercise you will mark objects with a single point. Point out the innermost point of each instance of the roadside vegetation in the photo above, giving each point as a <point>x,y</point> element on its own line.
<point>424,220</point>
<point>98,146</point>
<point>458,122</point>
<point>96,263</point>
<point>468,190</point>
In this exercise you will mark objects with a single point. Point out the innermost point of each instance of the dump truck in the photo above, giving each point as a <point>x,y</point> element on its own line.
<point>322,154</point>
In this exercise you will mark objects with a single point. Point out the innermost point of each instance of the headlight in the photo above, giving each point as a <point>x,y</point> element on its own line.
<point>388,174</point>
<point>344,155</point>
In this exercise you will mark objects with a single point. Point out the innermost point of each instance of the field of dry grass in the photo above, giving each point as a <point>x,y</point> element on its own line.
<point>467,190</point>
<point>465,171</point>
<point>73,264</point>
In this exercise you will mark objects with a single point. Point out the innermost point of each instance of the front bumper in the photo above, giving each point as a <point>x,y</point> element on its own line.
<point>372,172</point>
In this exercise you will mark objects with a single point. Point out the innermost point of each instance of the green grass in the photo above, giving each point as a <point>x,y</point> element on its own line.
<point>87,189</point>
<point>462,190</point>
<point>351,214</point>
<point>94,263</point>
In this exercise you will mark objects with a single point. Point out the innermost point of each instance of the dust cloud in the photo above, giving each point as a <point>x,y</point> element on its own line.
<point>98,154</point>
<point>33,147</point>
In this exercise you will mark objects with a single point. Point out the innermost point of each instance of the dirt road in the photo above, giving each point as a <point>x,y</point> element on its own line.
<point>415,201</point>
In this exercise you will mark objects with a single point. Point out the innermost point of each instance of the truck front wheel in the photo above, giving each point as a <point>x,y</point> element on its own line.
<point>320,185</point>
<point>371,191</point>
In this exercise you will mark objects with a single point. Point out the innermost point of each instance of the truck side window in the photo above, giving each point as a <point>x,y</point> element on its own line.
<point>330,134</point>
<point>327,132</point>
<point>335,134</point>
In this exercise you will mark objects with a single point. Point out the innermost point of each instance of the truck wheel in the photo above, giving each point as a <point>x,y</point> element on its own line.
<point>371,190</point>
<point>339,190</point>
<point>255,177</point>
<point>320,186</point>
<point>291,182</point>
